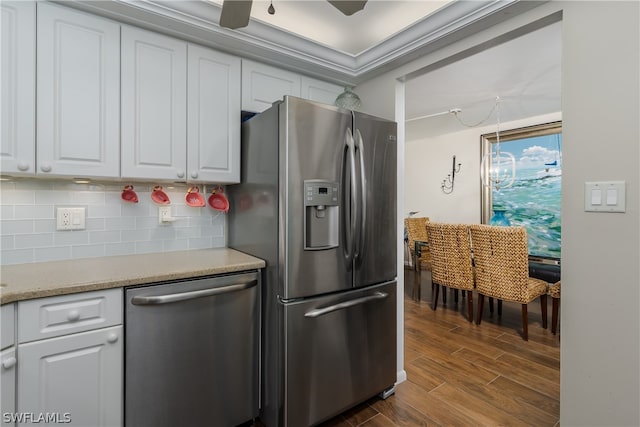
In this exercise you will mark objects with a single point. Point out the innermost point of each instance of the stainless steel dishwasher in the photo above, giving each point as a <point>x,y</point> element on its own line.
<point>192,352</point>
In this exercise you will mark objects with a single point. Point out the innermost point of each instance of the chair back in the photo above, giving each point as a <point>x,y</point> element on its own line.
<point>416,230</point>
<point>450,249</point>
<point>501,259</point>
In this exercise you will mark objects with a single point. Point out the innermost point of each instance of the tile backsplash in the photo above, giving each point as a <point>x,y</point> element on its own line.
<point>113,226</point>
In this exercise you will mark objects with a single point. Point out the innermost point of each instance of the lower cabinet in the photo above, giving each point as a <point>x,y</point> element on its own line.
<point>8,385</point>
<point>8,364</point>
<point>69,360</point>
<point>74,379</point>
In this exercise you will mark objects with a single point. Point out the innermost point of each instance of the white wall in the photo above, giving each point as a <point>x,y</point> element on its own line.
<point>600,320</point>
<point>600,342</point>
<point>114,227</point>
<point>429,160</point>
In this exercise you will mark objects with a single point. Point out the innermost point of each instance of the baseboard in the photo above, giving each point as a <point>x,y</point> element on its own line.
<point>401,376</point>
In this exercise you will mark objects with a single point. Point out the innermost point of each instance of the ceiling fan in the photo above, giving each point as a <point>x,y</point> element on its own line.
<point>236,13</point>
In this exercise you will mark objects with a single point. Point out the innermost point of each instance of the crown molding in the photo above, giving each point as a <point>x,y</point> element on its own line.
<point>197,21</point>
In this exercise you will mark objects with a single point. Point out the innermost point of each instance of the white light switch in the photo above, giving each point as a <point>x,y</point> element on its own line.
<point>604,196</point>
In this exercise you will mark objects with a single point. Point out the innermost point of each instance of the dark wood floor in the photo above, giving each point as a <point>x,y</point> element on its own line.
<point>460,374</point>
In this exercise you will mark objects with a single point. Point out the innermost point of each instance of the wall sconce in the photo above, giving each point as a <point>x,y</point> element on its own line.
<point>447,184</point>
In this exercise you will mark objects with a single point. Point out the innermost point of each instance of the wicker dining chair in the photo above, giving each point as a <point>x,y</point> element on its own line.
<point>451,265</point>
<point>501,261</point>
<point>417,230</point>
<point>554,293</point>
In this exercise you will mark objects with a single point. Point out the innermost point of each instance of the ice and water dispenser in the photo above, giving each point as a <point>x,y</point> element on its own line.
<point>322,214</point>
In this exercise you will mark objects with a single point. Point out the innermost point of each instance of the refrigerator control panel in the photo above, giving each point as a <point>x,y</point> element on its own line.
<point>322,214</point>
<point>320,193</point>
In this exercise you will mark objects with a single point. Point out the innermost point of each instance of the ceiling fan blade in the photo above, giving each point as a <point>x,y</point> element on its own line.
<point>348,7</point>
<point>235,13</point>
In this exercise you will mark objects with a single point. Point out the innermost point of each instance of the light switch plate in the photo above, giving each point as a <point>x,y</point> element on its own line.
<point>604,196</point>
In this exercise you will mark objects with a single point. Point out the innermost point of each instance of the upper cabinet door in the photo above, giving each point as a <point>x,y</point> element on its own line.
<point>154,106</point>
<point>213,135</point>
<point>263,85</point>
<point>78,93</point>
<point>319,91</point>
<point>18,87</point>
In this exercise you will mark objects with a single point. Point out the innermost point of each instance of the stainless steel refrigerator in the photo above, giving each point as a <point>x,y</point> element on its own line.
<point>317,202</point>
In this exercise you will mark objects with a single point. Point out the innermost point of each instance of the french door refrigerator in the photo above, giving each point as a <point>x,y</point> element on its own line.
<point>317,202</point>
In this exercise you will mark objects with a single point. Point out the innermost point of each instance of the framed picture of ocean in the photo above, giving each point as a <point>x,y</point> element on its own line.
<point>534,199</point>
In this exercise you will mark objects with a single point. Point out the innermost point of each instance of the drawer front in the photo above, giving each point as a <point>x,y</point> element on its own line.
<point>7,332</point>
<point>67,314</point>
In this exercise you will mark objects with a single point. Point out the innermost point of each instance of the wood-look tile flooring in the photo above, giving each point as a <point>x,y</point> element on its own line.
<point>460,374</point>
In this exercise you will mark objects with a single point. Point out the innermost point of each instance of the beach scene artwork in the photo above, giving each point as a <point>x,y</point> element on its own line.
<point>534,200</point>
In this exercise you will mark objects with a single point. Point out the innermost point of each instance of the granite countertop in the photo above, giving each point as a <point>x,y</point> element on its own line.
<point>37,280</point>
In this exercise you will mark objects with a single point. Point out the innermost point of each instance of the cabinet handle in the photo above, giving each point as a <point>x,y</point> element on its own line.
<point>23,166</point>
<point>73,315</point>
<point>112,337</point>
<point>45,167</point>
<point>194,174</point>
<point>180,173</point>
<point>8,362</point>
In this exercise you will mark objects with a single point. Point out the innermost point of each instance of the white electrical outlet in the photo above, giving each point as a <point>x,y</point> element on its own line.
<point>164,214</point>
<point>70,219</point>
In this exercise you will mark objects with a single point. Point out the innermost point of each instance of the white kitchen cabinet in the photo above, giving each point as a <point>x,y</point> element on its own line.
<point>7,325</point>
<point>79,377</point>
<point>70,357</point>
<point>78,96</point>
<point>8,384</point>
<point>18,87</point>
<point>154,106</point>
<point>213,124</point>
<point>319,91</point>
<point>262,85</point>
<point>7,363</point>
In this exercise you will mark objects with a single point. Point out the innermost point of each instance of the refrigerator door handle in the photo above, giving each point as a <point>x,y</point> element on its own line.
<point>183,296</point>
<point>351,231</point>
<point>359,146</point>
<point>357,301</point>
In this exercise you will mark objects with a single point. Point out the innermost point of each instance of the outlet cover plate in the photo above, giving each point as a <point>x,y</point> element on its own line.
<point>70,218</point>
<point>164,214</point>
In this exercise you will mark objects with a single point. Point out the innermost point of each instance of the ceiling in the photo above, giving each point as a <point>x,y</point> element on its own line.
<point>523,72</point>
<point>314,38</point>
<point>322,23</point>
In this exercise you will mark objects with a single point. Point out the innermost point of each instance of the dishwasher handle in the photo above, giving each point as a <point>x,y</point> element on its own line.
<point>357,301</point>
<point>184,296</point>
